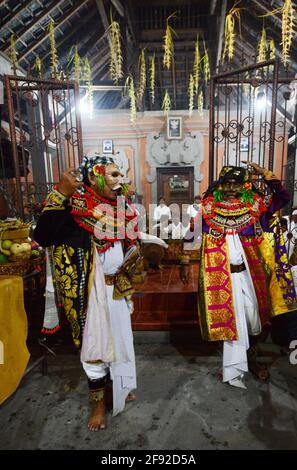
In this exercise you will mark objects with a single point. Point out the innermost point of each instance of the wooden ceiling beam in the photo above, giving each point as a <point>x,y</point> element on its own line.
<point>103,17</point>
<point>73,30</point>
<point>26,29</point>
<point>221,32</point>
<point>119,7</point>
<point>18,11</point>
<point>44,36</point>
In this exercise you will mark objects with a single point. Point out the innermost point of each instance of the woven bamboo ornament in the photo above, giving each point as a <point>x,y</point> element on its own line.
<point>130,90</point>
<point>262,46</point>
<point>152,77</point>
<point>116,58</point>
<point>37,65</point>
<point>206,67</point>
<point>288,16</point>
<point>197,65</point>
<point>288,25</point>
<point>191,94</point>
<point>87,77</point>
<point>13,53</point>
<point>166,105</point>
<point>53,49</point>
<point>168,45</point>
<point>142,75</point>
<point>229,45</point>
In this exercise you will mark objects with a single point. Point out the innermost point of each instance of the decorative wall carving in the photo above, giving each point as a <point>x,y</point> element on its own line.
<point>161,152</point>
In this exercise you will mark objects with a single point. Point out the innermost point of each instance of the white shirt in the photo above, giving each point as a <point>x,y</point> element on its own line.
<point>162,209</point>
<point>192,210</point>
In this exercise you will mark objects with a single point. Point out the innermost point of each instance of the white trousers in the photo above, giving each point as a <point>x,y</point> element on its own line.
<point>235,362</point>
<point>117,324</point>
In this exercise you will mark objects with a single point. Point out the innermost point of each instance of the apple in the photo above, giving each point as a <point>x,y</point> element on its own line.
<point>35,254</point>
<point>26,247</point>
<point>16,249</point>
<point>6,244</point>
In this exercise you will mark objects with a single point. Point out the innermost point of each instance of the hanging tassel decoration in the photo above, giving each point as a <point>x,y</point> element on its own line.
<point>142,75</point>
<point>196,68</point>
<point>206,66</point>
<point>130,90</point>
<point>152,77</point>
<point>288,25</point>
<point>13,53</point>
<point>168,45</point>
<point>54,54</point>
<point>262,46</point>
<point>116,58</point>
<point>75,62</point>
<point>288,14</point>
<point>87,77</point>
<point>191,94</point>
<point>229,45</point>
<point>37,65</point>
<point>166,105</point>
<point>200,102</point>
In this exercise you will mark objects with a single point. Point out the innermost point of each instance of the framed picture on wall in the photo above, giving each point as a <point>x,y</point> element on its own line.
<point>107,146</point>
<point>174,128</point>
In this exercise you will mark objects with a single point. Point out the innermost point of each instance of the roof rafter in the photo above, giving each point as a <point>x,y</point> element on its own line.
<point>44,36</point>
<point>26,29</point>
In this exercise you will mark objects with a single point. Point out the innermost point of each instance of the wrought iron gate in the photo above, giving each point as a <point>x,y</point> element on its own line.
<point>252,112</point>
<point>44,139</point>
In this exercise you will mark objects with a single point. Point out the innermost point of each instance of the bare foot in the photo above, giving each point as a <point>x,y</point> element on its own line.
<point>97,418</point>
<point>130,397</point>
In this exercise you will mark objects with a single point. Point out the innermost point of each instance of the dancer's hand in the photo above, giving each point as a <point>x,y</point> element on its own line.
<point>257,169</point>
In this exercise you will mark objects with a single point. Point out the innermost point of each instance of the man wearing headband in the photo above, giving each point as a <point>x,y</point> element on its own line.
<point>95,237</point>
<point>244,275</point>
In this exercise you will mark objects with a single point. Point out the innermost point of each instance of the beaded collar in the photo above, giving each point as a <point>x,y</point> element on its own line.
<point>117,220</point>
<point>228,217</point>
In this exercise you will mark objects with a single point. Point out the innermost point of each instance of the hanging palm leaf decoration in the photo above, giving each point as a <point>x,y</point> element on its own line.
<point>87,77</point>
<point>288,14</point>
<point>37,65</point>
<point>206,66</point>
<point>191,94</point>
<point>130,90</point>
<point>75,61</point>
<point>166,105</point>
<point>200,102</point>
<point>272,49</point>
<point>229,45</point>
<point>272,52</point>
<point>196,68</point>
<point>168,45</point>
<point>13,53</point>
<point>54,54</point>
<point>152,77</point>
<point>142,75</point>
<point>288,24</point>
<point>116,58</point>
<point>262,46</point>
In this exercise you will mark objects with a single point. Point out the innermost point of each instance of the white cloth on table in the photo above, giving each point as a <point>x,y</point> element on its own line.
<point>235,362</point>
<point>116,323</point>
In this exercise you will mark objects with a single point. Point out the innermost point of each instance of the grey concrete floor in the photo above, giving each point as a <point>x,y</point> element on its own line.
<point>181,404</point>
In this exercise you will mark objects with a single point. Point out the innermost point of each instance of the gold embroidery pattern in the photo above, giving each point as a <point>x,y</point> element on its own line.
<point>54,201</point>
